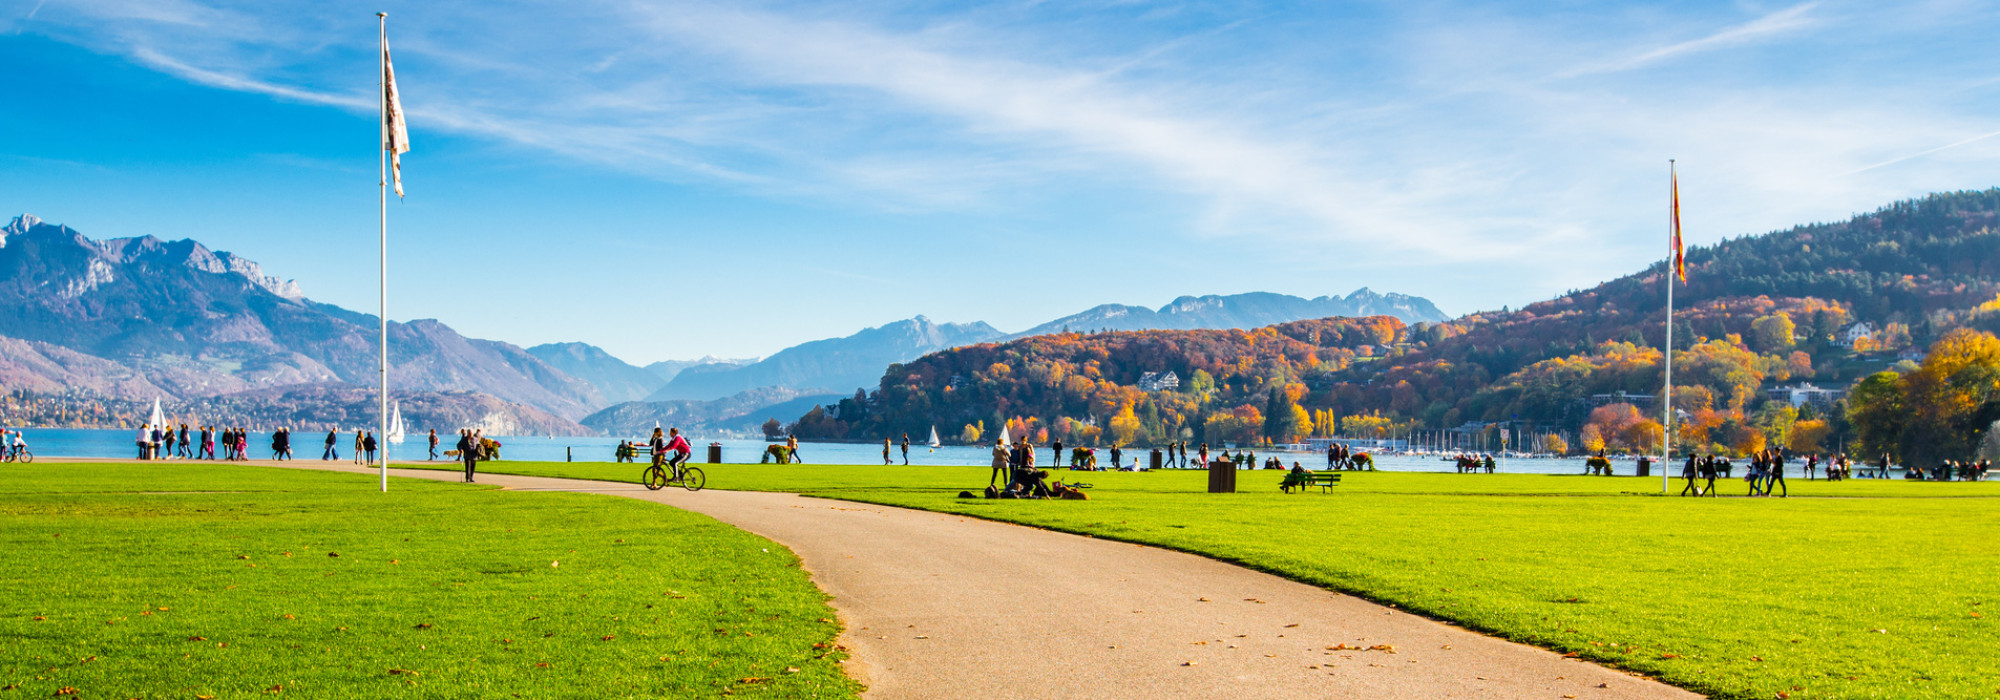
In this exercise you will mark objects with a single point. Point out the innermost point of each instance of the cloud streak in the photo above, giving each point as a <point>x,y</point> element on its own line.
<point>1790,20</point>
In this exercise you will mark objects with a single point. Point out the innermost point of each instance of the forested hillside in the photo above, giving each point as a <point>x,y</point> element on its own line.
<point>1757,311</point>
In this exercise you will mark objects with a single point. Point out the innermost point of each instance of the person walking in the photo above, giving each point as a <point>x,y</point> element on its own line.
<point>1708,469</point>
<point>1203,454</point>
<point>207,442</point>
<point>332,446</point>
<point>906,449</point>
<point>434,444</point>
<point>368,443</point>
<point>466,452</point>
<point>278,444</point>
<point>1003,459</point>
<point>1056,447</point>
<point>183,447</point>
<point>1776,480</point>
<point>1116,455</point>
<point>886,461</point>
<point>357,447</point>
<point>792,447</point>
<point>1688,472</point>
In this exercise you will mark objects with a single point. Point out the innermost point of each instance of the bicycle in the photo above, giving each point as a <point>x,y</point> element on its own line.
<point>691,478</point>
<point>21,455</point>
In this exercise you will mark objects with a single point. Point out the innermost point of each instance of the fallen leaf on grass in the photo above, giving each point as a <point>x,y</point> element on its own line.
<point>402,672</point>
<point>555,564</point>
<point>288,616</point>
<point>39,618</point>
<point>1670,656</point>
<point>66,690</point>
<point>423,625</point>
<point>197,639</point>
<point>752,679</point>
<point>276,689</point>
<point>242,556</point>
<point>544,664</point>
<point>333,554</point>
<point>608,637</point>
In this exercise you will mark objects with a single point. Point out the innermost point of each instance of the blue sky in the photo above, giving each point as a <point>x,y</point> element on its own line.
<point>670,180</point>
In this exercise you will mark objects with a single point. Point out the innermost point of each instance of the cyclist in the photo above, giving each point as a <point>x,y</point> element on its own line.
<point>18,447</point>
<point>679,446</point>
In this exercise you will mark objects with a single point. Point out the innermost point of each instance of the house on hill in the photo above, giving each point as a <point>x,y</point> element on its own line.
<point>1856,332</point>
<point>1159,381</point>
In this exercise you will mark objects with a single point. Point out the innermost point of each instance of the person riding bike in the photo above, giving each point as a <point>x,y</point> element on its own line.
<point>678,445</point>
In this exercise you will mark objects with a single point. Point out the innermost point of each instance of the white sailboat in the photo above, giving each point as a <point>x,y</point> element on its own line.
<point>397,431</point>
<point>157,420</point>
<point>934,439</point>
<point>1003,434</point>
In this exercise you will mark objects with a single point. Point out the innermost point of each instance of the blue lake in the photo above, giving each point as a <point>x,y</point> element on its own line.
<point>68,442</point>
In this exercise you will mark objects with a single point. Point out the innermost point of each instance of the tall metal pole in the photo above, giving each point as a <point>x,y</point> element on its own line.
<point>1667,413</point>
<point>382,95</point>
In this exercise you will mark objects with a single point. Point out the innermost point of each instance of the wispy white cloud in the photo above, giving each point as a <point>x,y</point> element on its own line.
<point>1790,20</point>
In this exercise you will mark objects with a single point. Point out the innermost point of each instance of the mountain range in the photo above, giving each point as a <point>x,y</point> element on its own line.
<point>1253,310</point>
<point>141,317</point>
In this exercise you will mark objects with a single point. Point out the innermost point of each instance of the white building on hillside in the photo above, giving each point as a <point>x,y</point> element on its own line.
<point>1159,381</point>
<point>1856,332</point>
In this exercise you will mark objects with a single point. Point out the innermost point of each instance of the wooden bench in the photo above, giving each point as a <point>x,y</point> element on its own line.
<point>1324,480</point>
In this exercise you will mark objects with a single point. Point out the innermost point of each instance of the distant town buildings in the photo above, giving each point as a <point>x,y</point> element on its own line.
<point>1159,381</point>
<point>1804,393</point>
<point>1640,400</point>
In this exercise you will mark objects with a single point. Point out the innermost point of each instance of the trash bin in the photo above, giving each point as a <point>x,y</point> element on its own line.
<point>1155,462</point>
<point>1221,476</point>
<point>1645,466</point>
<point>714,453</point>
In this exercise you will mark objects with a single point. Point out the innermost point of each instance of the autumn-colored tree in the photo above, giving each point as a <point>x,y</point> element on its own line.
<point>1591,438</point>
<point>1553,444</point>
<point>1809,436</point>
<point>971,434</point>
<point>1773,333</point>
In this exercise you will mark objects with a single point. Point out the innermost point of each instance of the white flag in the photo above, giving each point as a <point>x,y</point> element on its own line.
<point>395,135</point>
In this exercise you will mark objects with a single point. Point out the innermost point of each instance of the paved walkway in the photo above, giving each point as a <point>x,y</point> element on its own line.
<point>943,606</point>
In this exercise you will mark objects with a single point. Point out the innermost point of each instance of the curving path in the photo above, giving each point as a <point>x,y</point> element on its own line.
<point>944,606</point>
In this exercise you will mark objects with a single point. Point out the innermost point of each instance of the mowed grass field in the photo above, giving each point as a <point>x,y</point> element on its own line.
<point>1859,589</point>
<point>179,580</point>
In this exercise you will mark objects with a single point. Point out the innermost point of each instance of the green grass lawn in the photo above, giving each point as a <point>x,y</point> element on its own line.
<point>1858,589</point>
<point>190,580</point>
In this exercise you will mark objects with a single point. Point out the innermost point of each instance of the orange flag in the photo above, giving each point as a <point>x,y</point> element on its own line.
<point>1680,259</point>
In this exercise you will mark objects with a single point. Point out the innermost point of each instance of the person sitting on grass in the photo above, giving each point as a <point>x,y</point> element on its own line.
<point>1030,483</point>
<point>1294,478</point>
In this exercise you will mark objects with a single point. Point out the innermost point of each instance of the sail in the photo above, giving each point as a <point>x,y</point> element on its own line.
<point>396,429</point>
<point>157,419</point>
<point>1003,434</point>
<point>934,439</point>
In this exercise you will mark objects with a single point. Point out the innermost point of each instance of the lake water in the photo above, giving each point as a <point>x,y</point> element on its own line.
<point>67,442</point>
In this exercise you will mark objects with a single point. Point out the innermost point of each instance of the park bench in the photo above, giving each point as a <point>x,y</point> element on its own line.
<point>1324,480</point>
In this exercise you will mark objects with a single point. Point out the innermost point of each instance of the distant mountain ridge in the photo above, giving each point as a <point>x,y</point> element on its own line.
<point>615,379</point>
<point>834,365</point>
<point>183,321</point>
<point>739,414</point>
<point>1244,311</point>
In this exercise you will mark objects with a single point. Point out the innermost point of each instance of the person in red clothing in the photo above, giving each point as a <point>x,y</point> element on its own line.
<point>678,445</point>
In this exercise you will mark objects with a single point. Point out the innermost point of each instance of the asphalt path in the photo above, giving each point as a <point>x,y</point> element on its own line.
<point>945,606</point>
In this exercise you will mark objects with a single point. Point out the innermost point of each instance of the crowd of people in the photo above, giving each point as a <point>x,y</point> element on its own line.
<point>169,441</point>
<point>1016,462</point>
<point>1469,463</point>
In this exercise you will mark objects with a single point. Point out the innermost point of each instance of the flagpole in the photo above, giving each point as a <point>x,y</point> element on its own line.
<point>382,95</point>
<point>1667,414</point>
